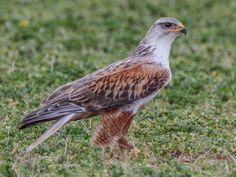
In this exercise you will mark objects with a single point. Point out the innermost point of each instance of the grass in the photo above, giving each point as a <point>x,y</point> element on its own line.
<point>189,130</point>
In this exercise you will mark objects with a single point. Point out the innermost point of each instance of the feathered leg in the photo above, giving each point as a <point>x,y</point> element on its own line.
<point>113,129</point>
<point>123,142</point>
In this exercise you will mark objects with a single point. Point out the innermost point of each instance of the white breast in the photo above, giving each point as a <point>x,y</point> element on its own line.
<point>136,105</point>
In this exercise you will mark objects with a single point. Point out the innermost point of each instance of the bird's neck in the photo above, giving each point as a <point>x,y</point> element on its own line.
<point>157,50</point>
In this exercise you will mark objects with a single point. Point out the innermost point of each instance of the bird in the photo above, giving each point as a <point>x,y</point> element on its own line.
<point>115,92</point>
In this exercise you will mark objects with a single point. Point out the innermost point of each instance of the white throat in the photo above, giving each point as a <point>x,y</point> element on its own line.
<point>162,52</point>
<point>157,48</point>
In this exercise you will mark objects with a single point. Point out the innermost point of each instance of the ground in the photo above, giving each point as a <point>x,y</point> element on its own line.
<point>188,130</point>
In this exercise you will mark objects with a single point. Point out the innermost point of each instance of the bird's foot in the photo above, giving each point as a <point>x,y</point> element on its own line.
<point>118,157</point>
<point>135,152</point>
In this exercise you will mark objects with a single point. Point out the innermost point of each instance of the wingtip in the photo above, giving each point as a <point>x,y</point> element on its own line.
<point>22,126</point>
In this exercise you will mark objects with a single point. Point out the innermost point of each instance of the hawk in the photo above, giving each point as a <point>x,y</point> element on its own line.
<point>115,92</point>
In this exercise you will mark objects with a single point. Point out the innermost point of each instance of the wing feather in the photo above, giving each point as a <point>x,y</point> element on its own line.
<point>116,85</point>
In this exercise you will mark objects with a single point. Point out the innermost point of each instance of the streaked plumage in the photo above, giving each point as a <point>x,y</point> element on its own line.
<point>115,92</point>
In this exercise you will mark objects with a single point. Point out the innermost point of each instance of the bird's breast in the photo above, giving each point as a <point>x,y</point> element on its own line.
<point>133,107</point>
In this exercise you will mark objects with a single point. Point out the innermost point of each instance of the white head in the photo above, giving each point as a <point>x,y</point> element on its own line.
<point>160,35</point>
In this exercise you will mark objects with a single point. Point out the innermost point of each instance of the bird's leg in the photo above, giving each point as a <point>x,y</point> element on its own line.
<point>124,144</point>
<point>123,141</point>
<point>127,126</point>
<point>124,132</point>
<point>113,128</point>
<point>110,127</point>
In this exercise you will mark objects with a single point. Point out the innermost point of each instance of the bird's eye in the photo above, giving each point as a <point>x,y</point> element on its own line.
<point>167,25</point>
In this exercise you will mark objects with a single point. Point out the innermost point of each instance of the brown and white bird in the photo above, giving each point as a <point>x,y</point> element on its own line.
<point>115,92</point>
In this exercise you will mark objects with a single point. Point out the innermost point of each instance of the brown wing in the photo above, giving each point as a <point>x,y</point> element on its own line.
<point>114,86</point>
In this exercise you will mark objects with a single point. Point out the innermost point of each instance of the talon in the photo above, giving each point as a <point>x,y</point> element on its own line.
<point>135,152</point>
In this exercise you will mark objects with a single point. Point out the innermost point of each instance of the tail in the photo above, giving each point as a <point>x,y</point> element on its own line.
<point>53,129</point>
<point>61,113</point>
<point>49,113</point>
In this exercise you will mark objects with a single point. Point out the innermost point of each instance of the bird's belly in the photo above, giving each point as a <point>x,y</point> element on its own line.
<point>136,105</point>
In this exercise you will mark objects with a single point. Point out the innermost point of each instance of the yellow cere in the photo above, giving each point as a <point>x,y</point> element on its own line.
<point>178,28</point>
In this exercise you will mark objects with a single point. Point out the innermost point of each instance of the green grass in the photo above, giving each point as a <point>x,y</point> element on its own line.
<point>189,130</point>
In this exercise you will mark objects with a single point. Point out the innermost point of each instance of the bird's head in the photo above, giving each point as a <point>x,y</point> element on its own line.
<point>166,28</point>
<point>160,37</point>
<point>170,25</point>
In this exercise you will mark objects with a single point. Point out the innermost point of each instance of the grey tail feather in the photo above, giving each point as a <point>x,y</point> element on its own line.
<point>49,113</point>
<point>50,131</point>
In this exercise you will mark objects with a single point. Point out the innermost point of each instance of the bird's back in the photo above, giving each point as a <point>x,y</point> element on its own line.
<point>116,85</point>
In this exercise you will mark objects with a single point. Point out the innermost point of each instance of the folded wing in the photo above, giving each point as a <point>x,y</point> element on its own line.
<point>116,85</point>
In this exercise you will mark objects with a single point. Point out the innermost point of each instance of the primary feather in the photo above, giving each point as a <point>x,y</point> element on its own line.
<point>49,113</point>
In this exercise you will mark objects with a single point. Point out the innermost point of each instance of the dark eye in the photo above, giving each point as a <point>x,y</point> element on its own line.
<point>167,25</point>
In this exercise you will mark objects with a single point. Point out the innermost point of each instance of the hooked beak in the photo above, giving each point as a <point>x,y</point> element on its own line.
<point>184,31</point>
<point>180,28</point>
